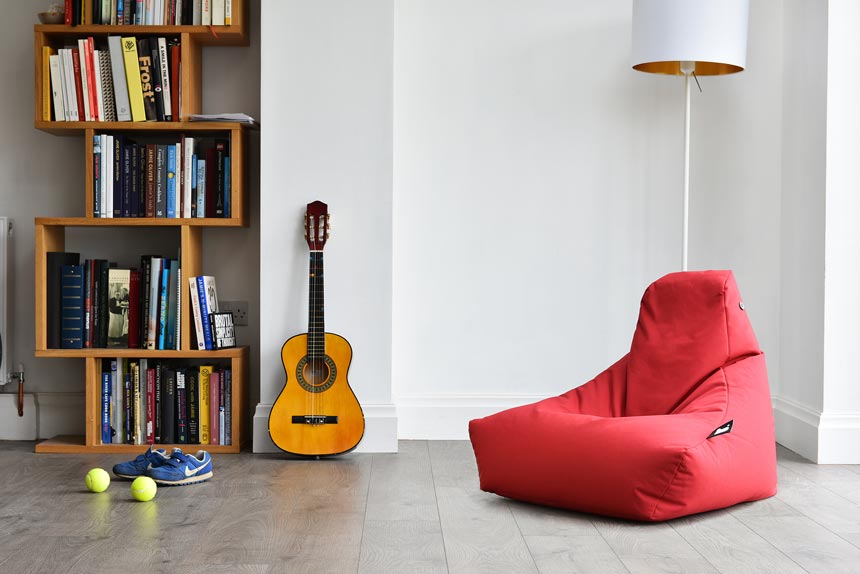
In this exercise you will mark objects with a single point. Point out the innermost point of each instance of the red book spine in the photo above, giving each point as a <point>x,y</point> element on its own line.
<point>79,89</point>
<point>68,14</point>
<point>134,310</point>
<point>174,82</point>
<point>150,406</point>
<point>91,80</point>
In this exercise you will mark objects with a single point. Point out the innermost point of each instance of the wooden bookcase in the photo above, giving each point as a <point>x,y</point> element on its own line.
<point>50,232</point>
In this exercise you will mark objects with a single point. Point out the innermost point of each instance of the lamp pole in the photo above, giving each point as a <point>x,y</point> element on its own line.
<point>687,68</point>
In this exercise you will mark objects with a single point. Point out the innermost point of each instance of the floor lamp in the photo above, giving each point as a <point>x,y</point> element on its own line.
<point>684,38</point>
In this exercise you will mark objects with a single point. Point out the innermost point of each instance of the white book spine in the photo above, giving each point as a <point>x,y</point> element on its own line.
<point>228,12</point>
<point>165,76</point>
<point>217,12</point>
<point>154,290</point>
<point>177,339</point>
<point>201,188</point>
<point>188,169</point>
<point>195,310</point>
<point>207,13</point>
<point>177,20</point>
<point>71,90</point>
<point>197,13</point>
<point>97,72</point>
<point>57,89</point>
<point>107,153</point>
<point>177,197</point>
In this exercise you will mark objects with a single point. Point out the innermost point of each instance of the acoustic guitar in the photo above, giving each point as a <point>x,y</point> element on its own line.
<point>316,413</point>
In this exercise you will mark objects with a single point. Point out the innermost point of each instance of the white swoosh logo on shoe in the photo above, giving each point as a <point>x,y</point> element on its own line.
<point>189,472</point>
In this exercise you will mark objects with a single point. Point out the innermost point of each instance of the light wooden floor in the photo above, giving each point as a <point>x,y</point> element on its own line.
<point>417,511</point>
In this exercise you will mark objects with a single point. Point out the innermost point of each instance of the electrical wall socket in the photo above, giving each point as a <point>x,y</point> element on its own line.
<point>239,310</point>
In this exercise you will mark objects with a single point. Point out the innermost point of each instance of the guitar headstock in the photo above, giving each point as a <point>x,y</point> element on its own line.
<point>316,225</point>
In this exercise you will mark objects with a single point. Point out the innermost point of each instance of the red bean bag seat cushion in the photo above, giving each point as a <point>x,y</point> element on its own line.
<point>681,424</point>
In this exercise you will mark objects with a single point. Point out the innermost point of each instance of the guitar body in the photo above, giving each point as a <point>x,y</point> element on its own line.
<point>316,413</point>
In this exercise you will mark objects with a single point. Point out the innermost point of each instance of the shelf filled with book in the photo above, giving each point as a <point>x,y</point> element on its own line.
<point>171,135</point>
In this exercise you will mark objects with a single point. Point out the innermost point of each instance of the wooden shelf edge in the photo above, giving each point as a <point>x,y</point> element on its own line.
<point>140,222</point>
<point>71,444</point>
<point>76,128</point>
<point>109,353</point>
<point>206,35</point>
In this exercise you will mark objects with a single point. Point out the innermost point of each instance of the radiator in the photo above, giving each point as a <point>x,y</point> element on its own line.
<point>5,282</point>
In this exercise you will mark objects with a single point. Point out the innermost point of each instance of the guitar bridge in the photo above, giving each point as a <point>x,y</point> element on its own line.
<point>314,420</point>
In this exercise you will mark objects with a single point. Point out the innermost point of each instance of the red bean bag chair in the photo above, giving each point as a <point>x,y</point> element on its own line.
<point>681,424</point>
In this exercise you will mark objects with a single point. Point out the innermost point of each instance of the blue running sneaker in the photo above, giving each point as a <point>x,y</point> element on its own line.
<point>138,467</point>
<point>183,469</point>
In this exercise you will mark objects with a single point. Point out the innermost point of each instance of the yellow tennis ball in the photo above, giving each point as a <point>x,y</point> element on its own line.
<point>143,488</point>
<point>98,480</point>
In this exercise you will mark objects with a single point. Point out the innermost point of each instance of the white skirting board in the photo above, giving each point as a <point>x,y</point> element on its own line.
<point>46,415</point>
<point>825,438</point>
<point>380,429</point>
<point>446,417</point>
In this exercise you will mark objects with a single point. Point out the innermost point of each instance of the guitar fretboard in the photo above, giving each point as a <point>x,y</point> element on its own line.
<point>316,307</point>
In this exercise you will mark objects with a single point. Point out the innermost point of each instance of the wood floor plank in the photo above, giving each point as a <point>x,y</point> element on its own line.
<point>401,486</point>
<point>407,546</point>
<point>651,548</point>
<point>536,520</point>
<point>807,543</point>
<point>574,554</point>
<point>730,546</point>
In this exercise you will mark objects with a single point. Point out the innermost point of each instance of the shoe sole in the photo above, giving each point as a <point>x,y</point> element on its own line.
<point>127,476</point>
<point>189,480</point>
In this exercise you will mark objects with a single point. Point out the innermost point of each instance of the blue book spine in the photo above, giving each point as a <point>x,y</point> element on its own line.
<point>193,195</point>
<point>106,438</point>
<point>171,181</point>
<point>138,12</point>
<point>204,312</point>
<point>72,307</point>
<point>201,188</point>
<point>227,187</point>
<point>127,404</point>
<point>163,318</point>
<point>97,176</point>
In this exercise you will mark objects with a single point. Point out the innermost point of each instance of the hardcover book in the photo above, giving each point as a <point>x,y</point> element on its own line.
<point>132,77</point>
<point>72,307</point>
<point>119,305</point>
<point>144,59</point>
<point>53,293</point>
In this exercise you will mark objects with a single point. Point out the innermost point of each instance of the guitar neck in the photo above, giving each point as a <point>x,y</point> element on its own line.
<point>316,307</point>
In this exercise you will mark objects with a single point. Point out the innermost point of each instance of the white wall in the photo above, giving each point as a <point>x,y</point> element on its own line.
<point>538,184</point>
<point>43,175</point>
<point>327,135</point>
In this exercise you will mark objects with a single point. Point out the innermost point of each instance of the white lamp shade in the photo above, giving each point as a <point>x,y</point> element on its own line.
<point>711,33</point>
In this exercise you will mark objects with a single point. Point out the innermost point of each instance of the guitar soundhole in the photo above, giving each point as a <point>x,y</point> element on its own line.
<point>316,376</point>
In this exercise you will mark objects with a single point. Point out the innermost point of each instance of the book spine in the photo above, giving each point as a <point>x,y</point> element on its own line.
<point>119,401</point>
<point>158,400</point>
<point>79,89</point>
<point>117,179</point>
<point>72,307</point>
<point>144,69</point>
<point>118,307</point>
<point>164,72</point>
<point>134,181</point>
<point>151,152</point>
<point>67,18</point>
<point>195,311</point>
<point>222,427</point>
<point>197,15</point>
<point>181,408</point>
<point>98,295</point>
<point>155,75</point>
<point>228,407</point>
<point>150,406</point>
<point>135,384</point>
<point>160,180</point>
<point>163,300</point>
<point>175,85</point>
<point>134,309</point>
<point>204,313</point>
<point>105,314</point>
<point>57,89</point>
<point>204,398</point>
<point>119,79</point>
<point>132,77</point>
<point>154,303</point>
<point>108,175</point>
<point>107,89</point>
<point>71,98</point>
<point>191,389</point>
<point>220,155</point>
<point>168,406</point>
<point>228,187</point>
<point>106,438</point>
<point>201,187</point>
<point>171,182</point>
<point>114,396</point>
<point>214,407</point>
<point>189,175</point>
<point>126,179</point>
<point>217,12</point>
<point>138,12</point>
<point>92,78</point>
<point>145,271</point>
<point>177,204</point>
<point>177,327</point>
<point>172,303</point>
<point>84,73</point>
<point>97,176</point>
<point>128,402</point>
<point>211,182</point>
<point>143,368</point>
<point>46,83</point>
<point>206,18</point>
<point>97,72</point>
<point>228,12</point>
<point>88,304</point>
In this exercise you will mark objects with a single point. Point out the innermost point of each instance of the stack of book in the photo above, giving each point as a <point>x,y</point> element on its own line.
<point>151,12</point>
<point>189,178</point>
<point>96,305</point>
<point>146,401</point>
<point>128,79</point>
